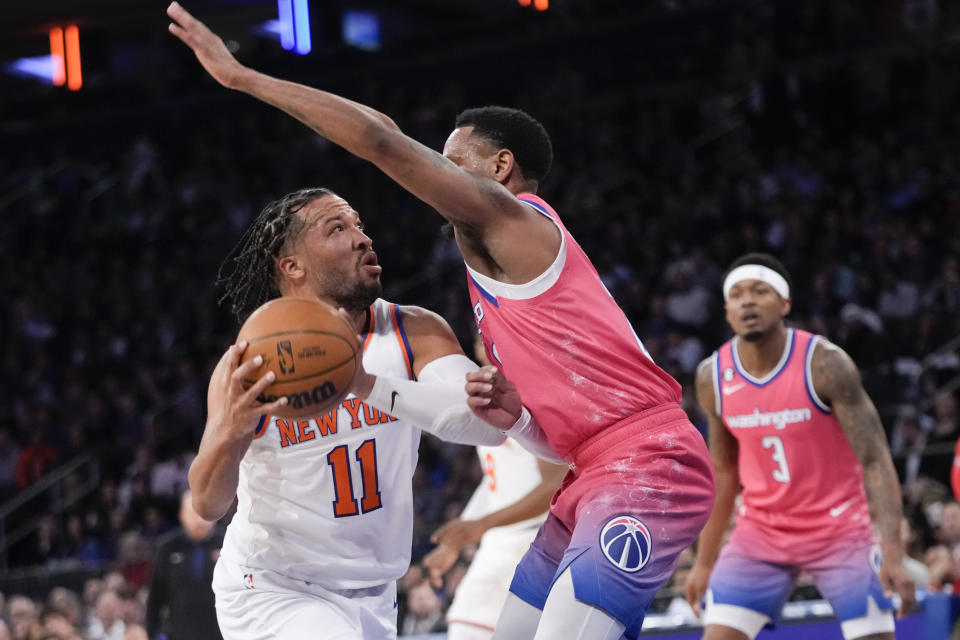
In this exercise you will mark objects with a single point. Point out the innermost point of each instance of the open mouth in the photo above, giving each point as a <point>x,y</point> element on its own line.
<point>369,260</point>
<point>749,317</point>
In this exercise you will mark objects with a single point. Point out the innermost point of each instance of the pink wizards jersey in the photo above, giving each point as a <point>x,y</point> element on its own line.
<point>802,482</point>
<point>567,346</point>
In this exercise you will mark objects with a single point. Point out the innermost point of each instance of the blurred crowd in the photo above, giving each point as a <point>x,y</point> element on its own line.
<point>837,154</point>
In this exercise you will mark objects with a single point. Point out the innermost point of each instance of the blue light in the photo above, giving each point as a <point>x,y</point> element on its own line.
<point>361,29</point>
<point>301,25</point>
<point>40,67</point>
<point>285,15</point>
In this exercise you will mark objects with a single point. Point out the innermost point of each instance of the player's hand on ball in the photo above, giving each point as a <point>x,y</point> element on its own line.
<point>207,46</point>
<point>696,586</point>
<point>493,398</point>
<point>233,405</point>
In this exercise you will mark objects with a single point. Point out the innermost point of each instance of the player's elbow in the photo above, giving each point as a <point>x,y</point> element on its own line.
<point>207,508</point>
<point>381,139</point>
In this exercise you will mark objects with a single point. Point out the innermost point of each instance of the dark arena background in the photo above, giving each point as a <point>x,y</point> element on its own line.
<point>686,133</point>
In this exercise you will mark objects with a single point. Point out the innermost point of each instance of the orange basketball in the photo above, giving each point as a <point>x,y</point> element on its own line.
<point>311,349</point>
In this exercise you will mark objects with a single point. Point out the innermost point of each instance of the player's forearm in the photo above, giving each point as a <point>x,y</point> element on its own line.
<point>711,538</point>
<point>529,506</point>
<point>437,407</point>
<point>885,503</point>
<point>357,128</point>
<point>215,472</point>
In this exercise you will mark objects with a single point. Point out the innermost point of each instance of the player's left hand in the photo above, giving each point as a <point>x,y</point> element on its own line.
<point>438,562</point>
<point>895,577</point>
<point>207,46</point>
<point>493,398</point>
<point>458,533</point>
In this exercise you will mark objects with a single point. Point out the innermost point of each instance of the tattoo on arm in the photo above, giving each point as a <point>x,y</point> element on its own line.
<point>837,381</point>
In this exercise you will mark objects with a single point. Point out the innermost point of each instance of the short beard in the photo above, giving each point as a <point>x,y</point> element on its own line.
<point>753,336</point>
<point>360,297</point>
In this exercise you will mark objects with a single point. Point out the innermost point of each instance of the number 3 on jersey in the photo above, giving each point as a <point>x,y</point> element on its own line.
<point>782,473</point>
<point>339,460</point>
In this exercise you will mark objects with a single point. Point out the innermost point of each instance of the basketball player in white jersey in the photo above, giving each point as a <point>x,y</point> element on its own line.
<point>323,526</point>
<point>503,516</point>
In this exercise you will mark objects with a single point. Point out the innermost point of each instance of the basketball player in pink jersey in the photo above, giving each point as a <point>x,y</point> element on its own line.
<point>641,484</point>
<point>790,423</point>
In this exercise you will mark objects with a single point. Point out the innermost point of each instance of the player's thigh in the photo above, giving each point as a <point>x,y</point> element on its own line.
<point>564,616</point>
<point>538,568</point>
<point>262,615</point>
<point>625,545</point>
<point>518,620</point>
<point>744,595</point>
<point>267,610</point>
<point>848,580</point>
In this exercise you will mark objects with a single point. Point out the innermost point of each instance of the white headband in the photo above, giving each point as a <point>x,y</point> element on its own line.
<point>756,272</point>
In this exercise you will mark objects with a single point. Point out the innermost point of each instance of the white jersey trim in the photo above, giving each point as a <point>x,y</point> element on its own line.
<point>746,621</point>
<point>540,284</point>
<point>808,375</point>
<point>715,376</point>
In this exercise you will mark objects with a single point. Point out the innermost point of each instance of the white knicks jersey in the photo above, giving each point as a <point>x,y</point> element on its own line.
<point>329,501</point>
<point>509,473</point>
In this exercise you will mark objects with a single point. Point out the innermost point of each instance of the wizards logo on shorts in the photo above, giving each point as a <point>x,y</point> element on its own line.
<point>626,543</point>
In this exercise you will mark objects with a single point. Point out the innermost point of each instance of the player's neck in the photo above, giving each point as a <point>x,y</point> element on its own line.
<point>759,357</point>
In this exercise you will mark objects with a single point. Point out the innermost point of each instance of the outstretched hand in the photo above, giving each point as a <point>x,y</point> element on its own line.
<point>206,45</point>
<point>493,398</point>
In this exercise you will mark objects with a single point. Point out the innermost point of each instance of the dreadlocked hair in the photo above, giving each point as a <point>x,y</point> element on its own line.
<point>248,275</point>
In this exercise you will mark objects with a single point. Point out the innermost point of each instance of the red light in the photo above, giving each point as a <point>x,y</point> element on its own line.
<point>523,3</point>
<point>541,5</point>
<point>74,77</point>
<point>56,56</point>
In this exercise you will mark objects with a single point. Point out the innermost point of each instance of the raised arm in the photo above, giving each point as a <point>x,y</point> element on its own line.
<point>473,202</point>
<point>233,414</point>
<point>724,451</point>
<point>836,380</point>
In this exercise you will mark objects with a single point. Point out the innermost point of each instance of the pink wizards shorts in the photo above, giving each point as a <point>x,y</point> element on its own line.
<point>638,494</point>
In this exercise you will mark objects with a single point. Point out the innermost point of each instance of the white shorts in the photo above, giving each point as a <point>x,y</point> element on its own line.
<point>484,588</point>
<point>254,604</point>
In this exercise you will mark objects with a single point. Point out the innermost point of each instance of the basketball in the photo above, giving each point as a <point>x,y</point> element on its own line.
<point>309,347</point>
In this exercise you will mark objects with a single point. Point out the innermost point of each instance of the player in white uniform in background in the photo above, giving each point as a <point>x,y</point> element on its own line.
<point>324,516</point>
<point>503,515</point>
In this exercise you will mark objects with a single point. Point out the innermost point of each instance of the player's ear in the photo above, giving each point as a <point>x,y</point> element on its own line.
<point>785,308</point>
<point>290,267</point>
<point>503,165</point>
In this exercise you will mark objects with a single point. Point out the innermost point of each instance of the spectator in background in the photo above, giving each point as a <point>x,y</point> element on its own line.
<point>35,460</point>
<point>133,560</point>
<point>938,462</point>
<point>22,612</point>
<point>181,603</point>
<point>424,614</point>
<point>66,603</point>
<point>105,623</point>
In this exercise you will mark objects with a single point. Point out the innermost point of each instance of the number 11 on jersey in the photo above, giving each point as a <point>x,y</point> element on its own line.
<point>345,503</point>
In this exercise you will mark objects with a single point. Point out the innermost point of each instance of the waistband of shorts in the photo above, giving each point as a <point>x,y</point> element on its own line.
<point>642,423</point>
